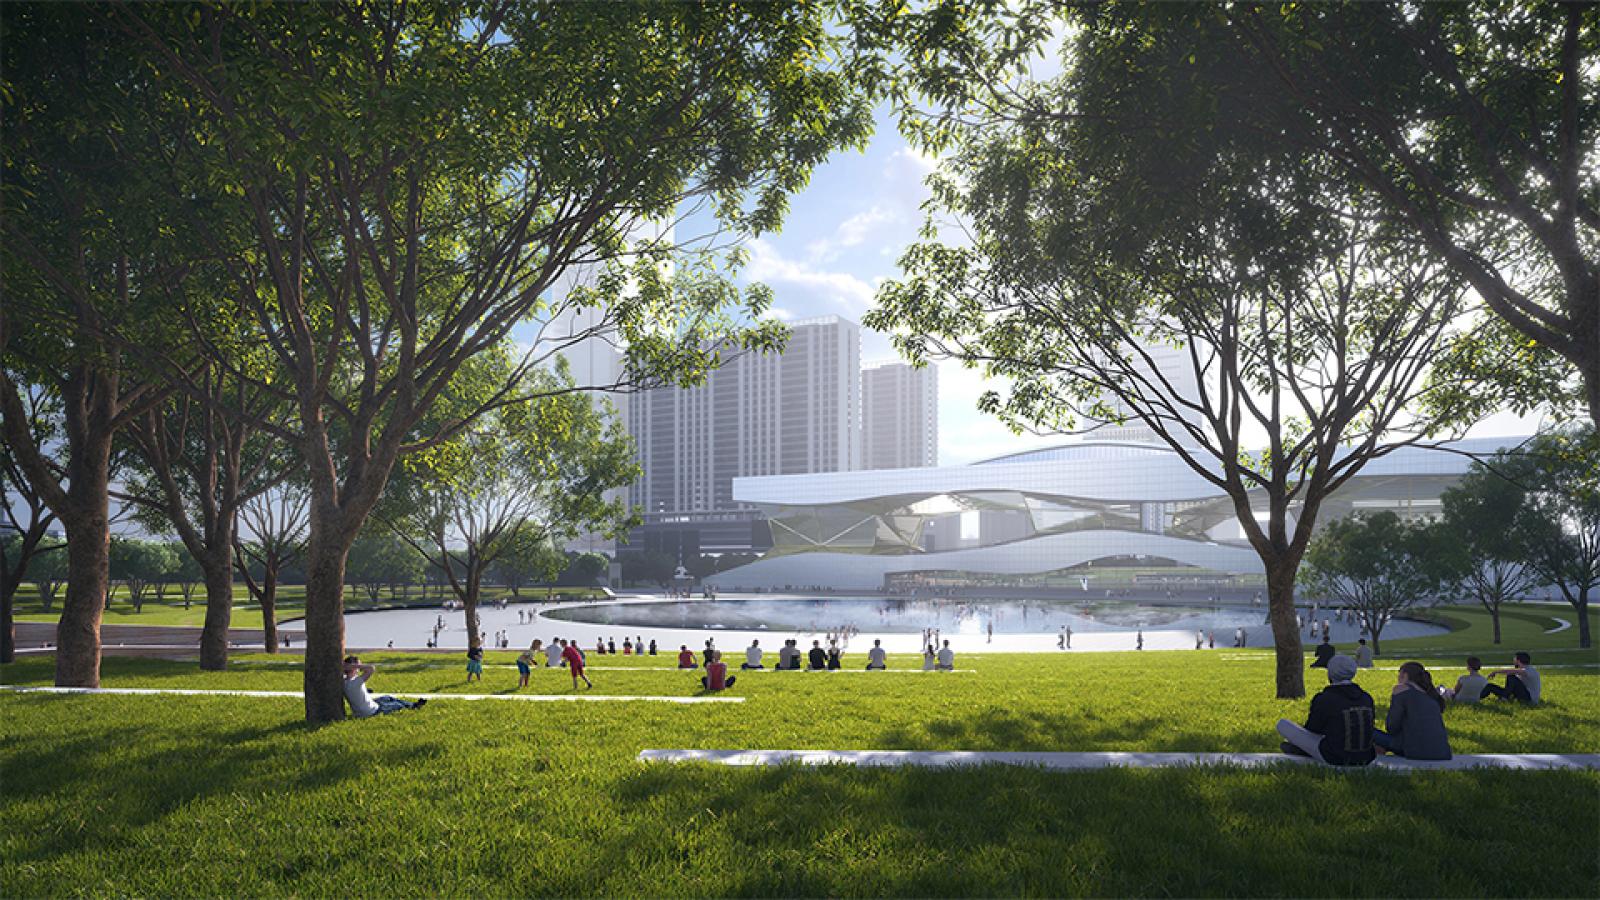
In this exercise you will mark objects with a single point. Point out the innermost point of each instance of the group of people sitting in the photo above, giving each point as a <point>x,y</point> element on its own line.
<point>1341,729</point>
<point>816,659</point>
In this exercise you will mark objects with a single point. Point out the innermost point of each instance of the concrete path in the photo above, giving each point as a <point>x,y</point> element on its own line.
<point>1076,761</point>
<point>530,698</point>
<point>1561,625</point>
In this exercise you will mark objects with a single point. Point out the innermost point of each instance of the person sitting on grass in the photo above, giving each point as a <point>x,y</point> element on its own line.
<point>818,657</point>
<point>752,656</point>
<point>834,661</point>
<point>947,658</point>
<point>1324,653</point>
<point>1522,681</point>
<point>574,658</point>
<point>789,655</point>
<point>876,657</point>
<point>1415,722</point>
<point>686,658</point>
<point>475,664</point>
<point>1469,687</point>
<point>362,704</point>
<point>929,659</point>
<point>717,677</point>
<point>1363,654</point>
<point>1339,729</point>
<point>552,654</point>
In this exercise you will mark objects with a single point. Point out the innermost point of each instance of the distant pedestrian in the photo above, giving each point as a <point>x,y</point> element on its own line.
<point>1138,640</point>
<point>1211,639</point>
<point>652,646</point>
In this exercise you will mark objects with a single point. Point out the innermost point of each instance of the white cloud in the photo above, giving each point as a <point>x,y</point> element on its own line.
<point>851,232</point>
<point>781,314</point>
<point>967,435</point>
<point>769,266</point>
<point>912,161</point>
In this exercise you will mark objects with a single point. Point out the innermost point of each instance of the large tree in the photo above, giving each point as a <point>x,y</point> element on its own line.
<point>200,456</point>
<point>1473,127</point>
<point>26,515</point>
<point>83,253</point>
<point>1484,554</point>
<point>1557,529</point>
<point>531,474</point>
<point>270,534</point>
<point>414,179</point>
<point>1378,565</point>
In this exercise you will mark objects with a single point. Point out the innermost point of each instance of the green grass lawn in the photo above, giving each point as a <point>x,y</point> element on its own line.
<point>136,795</point>
<point>246,614</point>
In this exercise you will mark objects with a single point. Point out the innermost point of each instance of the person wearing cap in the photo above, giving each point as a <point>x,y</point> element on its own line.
<point>1339,729</point>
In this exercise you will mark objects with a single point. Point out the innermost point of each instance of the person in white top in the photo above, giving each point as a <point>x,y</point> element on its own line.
<point>928,659</point>
<point>552,654</point>
<point>947,658</point>
<point>752,656</point>
<point>876,658</point>
<point>362,704</point>
<point>1522,681</point>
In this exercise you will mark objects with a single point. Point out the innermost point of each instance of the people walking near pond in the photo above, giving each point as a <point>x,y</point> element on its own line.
<point>1469,687</point>
<point>686,657</point>
<point>1069,637</point>
<point>525,664</point>
<point>1363,654</point>
<point>929,659</point>
<point>475,664</point>
<point>817,658</point>
<point>1138,640</point>
<point>1199,640</point>
<point>1522,682</point>
<point>947,658</point>
<point>574,658</point>
<point>1238,636</point>
<point>717,677</point>
<point>876,657</point>
<point>1414,726</point>
<point>1061,639</point>
<point>1339,729</point>
<point>752,656</point>
<point>1211,639</point>
<point>991,632</point>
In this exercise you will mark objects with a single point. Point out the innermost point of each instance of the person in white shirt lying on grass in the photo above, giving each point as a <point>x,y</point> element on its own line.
<point>362,703</point>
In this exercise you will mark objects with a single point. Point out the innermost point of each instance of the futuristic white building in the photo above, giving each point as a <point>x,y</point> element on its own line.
<point>1041,512</point>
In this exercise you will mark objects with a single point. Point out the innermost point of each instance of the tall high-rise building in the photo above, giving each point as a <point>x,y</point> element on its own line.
<point>759,414</point>
<point>1171,375</point>
<point>899,416</point>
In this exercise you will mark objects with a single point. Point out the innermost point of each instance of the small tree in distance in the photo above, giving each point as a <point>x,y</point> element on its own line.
<point>276,524</point>
<point>1378,565</point>
<point>1483,555</point>
<point>1557,530</point>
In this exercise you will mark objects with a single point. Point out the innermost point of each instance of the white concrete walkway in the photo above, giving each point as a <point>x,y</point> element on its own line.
<point>1075,761</point>
<point>1561,625</point>
<point>530,698</point>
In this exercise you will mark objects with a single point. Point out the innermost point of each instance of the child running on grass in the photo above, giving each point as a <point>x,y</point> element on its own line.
<point>574,658</point>
<point>525,664</point>
<point>475,664</point>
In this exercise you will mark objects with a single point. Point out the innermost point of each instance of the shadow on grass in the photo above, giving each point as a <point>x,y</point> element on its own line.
<point>1003,831</point>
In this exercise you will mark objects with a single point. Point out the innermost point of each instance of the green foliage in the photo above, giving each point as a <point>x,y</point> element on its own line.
<point>378,558</point>
<point>1379,565</point>
<point>139,563</point>
<point>238,798</point>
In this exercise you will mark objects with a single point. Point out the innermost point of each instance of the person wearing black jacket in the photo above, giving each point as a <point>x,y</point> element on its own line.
<point>1339,730</point>
<point>818,656</point>
<point>1324,653</point>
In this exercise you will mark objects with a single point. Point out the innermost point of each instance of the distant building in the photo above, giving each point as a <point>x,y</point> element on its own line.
<point>899,417</point>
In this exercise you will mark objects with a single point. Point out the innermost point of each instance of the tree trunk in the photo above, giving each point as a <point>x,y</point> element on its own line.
<point>269,611</point>
<point>1291,662</point>
<point>470,603</point>
<point>1582,606</point>
<point>1494,616</point>
<point>88,562</point>
<point>219,609</point>
<point>324,654</point>
<point>8,627</point>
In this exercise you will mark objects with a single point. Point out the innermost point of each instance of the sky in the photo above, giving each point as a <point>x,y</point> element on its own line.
<point>843,237</point>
